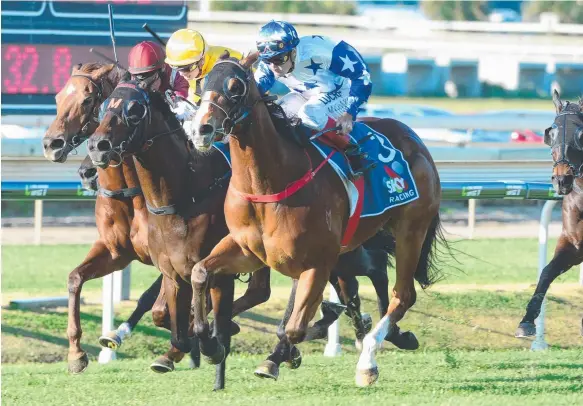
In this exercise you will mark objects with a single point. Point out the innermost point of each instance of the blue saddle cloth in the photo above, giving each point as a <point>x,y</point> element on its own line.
<point>388,185</point>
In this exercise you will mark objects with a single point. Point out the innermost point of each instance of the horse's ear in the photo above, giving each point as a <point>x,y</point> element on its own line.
<point>225,55</point>
<point>76,68</point>
<point>557,101</point>
<point>104,70</point>
<point>249,60</point>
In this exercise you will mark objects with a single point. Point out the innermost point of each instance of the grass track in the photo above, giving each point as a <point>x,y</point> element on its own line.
<point>436,378</point>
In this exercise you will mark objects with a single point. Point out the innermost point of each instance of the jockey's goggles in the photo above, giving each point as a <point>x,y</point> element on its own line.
<point>273,46</point>
<point>188,68</point>
<point>279,59</point>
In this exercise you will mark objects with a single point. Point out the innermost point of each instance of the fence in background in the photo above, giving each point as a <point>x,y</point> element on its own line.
<point>450,191</point>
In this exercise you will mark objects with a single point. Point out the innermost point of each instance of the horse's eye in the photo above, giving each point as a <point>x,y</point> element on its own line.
<point>235,87</point>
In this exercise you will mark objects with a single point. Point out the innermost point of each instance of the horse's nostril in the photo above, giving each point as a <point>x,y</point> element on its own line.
<point>206,129</point>
<point>57,143</point>
<point>104,146</point>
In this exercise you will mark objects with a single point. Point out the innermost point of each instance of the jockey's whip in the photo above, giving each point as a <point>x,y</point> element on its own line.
<point>112,32</point>
<point>107,58</point>
<point>324,131</point>
<point>153,34</point>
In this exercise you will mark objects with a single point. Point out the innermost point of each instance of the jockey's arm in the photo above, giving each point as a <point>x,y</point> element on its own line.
<point>180,86</point>
<point>264,77</point>
<point>347,62</point>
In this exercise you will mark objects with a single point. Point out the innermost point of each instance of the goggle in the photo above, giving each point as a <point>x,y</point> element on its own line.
<point>273,46</point>
<point>279,59</point>
<point>187,68</point>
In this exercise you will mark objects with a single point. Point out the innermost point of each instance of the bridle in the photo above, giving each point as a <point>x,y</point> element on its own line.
<point>238,110</point>
<point>577,171</point>
<point>83,133</point>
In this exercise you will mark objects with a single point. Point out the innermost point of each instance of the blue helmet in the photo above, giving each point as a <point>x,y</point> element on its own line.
<point>275,38</point>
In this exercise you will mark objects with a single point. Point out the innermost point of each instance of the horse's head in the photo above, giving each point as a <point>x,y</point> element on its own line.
<point>130,119</point>
<point>88,174</point>
<point>228,96</point>
<point>565,137</point>
<point>77,107</point>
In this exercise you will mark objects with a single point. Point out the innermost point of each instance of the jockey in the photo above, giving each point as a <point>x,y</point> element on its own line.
<point>146,65</point>
<point>188,53</point>
<point>328,82</point>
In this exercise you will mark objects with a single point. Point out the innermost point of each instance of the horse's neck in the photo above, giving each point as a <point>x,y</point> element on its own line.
<point>112,178</point>
<point>263,161</point>
<point>165,174</point>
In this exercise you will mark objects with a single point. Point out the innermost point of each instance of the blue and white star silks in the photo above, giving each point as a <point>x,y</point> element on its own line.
<point>323,67</point>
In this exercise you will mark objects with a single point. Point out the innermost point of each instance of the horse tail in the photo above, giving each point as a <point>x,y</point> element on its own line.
<point>434,248</point>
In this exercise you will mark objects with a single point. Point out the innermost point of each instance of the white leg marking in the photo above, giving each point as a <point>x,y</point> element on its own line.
<point>371,342</point>
<point>124,331</point>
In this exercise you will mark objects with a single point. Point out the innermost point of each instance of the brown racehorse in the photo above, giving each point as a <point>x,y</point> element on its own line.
<point>300,236</point>
<point>565,137</point>
<point>120,212</point>
<point>182,190</point>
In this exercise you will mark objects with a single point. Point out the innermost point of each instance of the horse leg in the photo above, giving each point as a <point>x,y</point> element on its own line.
<point>177,294</point>
<point>410,240</point>
<point>283,350</point>
<point>562,261</point>
<point>227,257</point>
<point>115,338</point>
<point>258,292</point>
<point>347,289</point>
<point>289,354</point>
<point>98,263</point>
<point>222,298</point>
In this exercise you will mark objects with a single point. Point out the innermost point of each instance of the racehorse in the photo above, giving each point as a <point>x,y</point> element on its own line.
<point>565,137</point>
<point>183,191</point>
<point>299,232</point>
<point>120,211</point>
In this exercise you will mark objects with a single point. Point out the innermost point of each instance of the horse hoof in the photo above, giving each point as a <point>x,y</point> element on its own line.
<point>217,357</point>
<point>162,365</point>
<point>267,369</point>
<point>366,322</point>
<point>366,377</point>
<point>78,366</point>
<point>403,340</point>
<point>296,358</point>
<point>110,340</point>
<point>525,329</point>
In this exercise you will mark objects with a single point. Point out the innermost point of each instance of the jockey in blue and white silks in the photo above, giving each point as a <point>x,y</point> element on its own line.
<point>328,81</point>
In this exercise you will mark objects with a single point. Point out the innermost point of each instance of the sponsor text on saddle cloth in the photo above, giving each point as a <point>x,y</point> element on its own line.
<point>389,184</point>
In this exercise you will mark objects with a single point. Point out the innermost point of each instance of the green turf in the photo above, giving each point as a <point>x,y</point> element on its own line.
<point>468,105</point>
<point>436,378</point>
<point>43,270</point>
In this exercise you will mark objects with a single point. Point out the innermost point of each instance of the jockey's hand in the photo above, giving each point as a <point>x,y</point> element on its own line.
<point>345,121</point>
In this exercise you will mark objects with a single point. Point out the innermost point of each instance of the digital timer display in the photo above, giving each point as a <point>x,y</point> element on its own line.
<point>44,69</point>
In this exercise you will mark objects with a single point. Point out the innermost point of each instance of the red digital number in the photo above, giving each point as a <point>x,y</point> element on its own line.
<point>61,67</point>
<point>17,83</point>
<point>31,60</point>
<point>12,83</point>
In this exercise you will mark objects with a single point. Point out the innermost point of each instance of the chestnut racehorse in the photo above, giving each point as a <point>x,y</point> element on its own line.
<point>300,235</point>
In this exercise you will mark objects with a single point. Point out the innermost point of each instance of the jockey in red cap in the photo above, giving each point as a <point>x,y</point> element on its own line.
<point>147,66</point>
